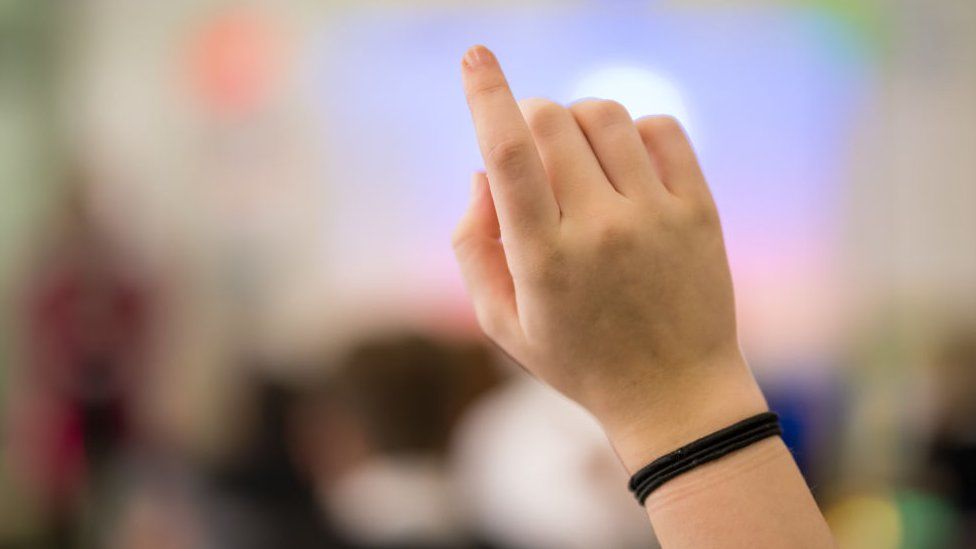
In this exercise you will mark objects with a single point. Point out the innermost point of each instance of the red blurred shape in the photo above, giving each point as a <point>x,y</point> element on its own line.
<point>235,58</point>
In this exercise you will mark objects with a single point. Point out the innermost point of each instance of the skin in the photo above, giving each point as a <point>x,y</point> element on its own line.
<point>593,254</point>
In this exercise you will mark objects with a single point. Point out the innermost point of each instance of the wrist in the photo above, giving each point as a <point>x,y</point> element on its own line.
<point>660,417</point>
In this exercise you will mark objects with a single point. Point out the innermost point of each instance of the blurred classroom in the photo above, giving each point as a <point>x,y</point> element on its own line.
<point>230,316</point>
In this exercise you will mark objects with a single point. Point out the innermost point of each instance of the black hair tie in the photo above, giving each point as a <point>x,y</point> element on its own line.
<point>706,449</point>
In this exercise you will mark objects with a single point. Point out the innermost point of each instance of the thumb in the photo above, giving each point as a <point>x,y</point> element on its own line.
<point>481,258</point>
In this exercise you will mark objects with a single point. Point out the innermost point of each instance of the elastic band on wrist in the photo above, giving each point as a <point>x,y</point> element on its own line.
<point>704,450</point>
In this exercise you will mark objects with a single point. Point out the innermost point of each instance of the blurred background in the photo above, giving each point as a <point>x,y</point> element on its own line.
<point>230,315</point>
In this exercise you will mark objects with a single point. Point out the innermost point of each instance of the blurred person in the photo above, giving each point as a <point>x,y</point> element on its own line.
<point>534,472</point>
<point>396,400</point>
<point>157,516</point>
<point>594,257</point>
<point>88,329</point>
<point>260,496</point>
<point>950,468</point>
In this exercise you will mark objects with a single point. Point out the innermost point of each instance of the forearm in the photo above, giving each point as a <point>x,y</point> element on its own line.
<point>755,497</point>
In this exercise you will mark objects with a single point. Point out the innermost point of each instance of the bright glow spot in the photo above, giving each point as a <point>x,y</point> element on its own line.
<point>643,92</point>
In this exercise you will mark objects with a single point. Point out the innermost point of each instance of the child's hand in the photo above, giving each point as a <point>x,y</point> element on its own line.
<point>594,256</point>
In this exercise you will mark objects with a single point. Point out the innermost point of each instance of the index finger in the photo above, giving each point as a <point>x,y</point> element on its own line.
<point>521,191</point>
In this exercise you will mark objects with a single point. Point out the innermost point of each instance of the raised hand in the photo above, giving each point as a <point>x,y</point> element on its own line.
<point>593,253</point>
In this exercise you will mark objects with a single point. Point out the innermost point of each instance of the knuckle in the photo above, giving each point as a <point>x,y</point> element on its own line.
<point>468,247</point>
<point>544,117</point>
<point>696,215</point>
<point>467,241</point>
<point>613,237</point>
<point>510,156</point>
<point>491,324</point>
<point>494,323</point>
<point>547,270</point>
<point>460,238</point>
<point>665,126</point>
<point>705,214</point>
<point>603,112</point>
<point>486,89</point>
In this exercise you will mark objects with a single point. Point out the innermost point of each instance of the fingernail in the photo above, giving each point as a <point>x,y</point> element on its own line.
<point>477,56</point>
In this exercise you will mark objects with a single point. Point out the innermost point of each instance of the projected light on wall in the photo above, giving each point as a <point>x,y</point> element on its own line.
<point>765,95</point>
<point>642,91</point>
